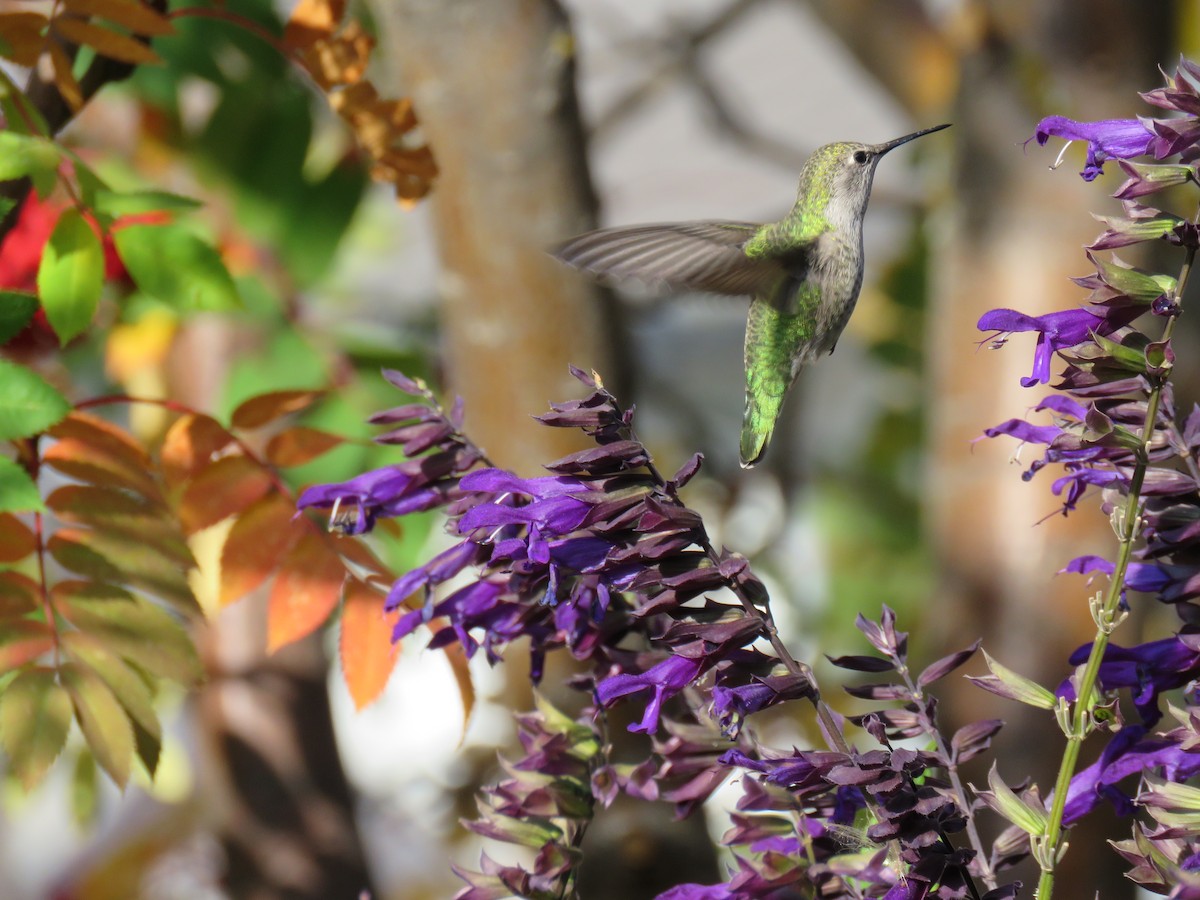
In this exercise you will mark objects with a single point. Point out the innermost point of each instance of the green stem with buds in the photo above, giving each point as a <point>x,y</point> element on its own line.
<point>1049,848</point>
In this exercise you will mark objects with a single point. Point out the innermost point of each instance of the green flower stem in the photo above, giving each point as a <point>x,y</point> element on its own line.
<point>1052,843</point>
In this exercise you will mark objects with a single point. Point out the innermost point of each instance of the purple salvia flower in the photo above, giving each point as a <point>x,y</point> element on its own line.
<point>1106,139</point>
<point>1056,331</point>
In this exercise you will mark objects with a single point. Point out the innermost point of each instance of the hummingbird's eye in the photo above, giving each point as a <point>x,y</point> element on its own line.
<point>860,156</point>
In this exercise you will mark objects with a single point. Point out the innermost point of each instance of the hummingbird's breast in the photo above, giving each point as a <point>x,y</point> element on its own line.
<point>838,274</point>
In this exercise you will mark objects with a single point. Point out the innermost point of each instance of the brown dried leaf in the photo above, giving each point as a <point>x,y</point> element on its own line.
<point>190,444</point>
<point>64,78</point>
<point>460,667</point>
<point>266,408</point>
<point>23,33</point>
<point>222,489</point>
<point>306,591</point>
<point>19,595</point>
<point>104,41</point>
<point>312,21</point>
<point>139,18</point>
<point>256,544</point>
<point>300,444</point>
<point>17,540</point>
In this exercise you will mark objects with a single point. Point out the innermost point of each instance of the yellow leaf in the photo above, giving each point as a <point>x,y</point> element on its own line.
<point>306,591</point>
<point>144,344</point>
<point>104,41</point>
<point>365,644</point>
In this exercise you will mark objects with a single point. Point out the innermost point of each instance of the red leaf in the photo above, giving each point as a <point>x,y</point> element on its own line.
<point>365,643</point>
<point>16,539</point>
<point>306,590</point>
<point>190,444</point>
<point>220,490</point>
<point>265,408</point>
<point>255,545</point>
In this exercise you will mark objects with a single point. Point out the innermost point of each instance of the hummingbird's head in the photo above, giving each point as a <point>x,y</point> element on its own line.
<point>841,174</point>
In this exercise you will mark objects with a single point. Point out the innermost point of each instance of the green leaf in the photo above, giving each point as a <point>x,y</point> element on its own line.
<point>71,275</point>
<point>83,788</point>
<point>24,156</point>
<point>131,203</point>
<point>132,627</point>
<point>16,309</point>
<point>175,266</point>
<point>28,404</point>
<point>127,686</point>
<point>35,715</point>
<point>101,718</point>
<point>1007,683</point>
<point>113,557</point>
<point>1026,817</point>
<point>18,493</point>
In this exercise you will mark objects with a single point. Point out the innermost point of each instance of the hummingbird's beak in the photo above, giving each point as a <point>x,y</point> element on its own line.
<point>881,149</point>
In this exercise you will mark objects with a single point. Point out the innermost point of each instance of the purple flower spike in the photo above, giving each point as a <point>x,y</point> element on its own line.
<point>1106,139</point>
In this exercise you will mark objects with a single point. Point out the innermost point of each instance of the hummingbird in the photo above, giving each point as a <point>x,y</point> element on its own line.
<point>802,273</point>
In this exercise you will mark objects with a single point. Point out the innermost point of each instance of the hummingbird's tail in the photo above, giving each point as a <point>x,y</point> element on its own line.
<point>758,424</point>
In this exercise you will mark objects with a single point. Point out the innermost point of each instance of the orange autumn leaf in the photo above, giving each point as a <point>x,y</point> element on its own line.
<point>21,35</point>
<point>266,408</point>
<point>222,489</point>
<point>255,546</point>
<point>460,667</point>
<point>299,445</point>
<point>365,643</point>
<point>95,464</point>
<point>190,445</point>
<point>17,540</point>
<point>306,591</point>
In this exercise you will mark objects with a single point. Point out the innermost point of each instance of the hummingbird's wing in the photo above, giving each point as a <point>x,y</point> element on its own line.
<point>699,256</point>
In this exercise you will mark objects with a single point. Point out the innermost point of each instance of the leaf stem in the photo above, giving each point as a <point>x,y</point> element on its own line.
<point>1051,843</point>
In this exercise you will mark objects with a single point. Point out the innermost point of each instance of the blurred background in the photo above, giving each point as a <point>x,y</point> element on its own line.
<point>545,119</point>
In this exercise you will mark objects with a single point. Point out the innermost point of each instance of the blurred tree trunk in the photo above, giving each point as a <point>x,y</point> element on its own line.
<point>1008,238</point>
<point>493,85</point>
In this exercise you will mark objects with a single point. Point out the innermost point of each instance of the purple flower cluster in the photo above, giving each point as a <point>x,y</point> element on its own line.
<point>600,558</point>
<point>1114,430</point>
<point>544,803</point>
